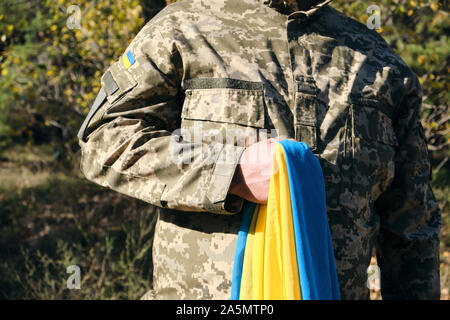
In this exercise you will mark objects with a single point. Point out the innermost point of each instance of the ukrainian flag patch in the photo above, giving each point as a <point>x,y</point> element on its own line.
<point>128,59</point>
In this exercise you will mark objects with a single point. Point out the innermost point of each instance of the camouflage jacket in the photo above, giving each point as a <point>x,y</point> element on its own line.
<point>206,78</point>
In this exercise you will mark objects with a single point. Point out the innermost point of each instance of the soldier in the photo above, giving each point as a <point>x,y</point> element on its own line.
<point>207,82</point>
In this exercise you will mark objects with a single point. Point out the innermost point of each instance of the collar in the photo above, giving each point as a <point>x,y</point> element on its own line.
<point>296,8</point>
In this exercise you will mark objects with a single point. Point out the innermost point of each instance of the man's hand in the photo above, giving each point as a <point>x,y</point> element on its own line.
<point>251,180</point>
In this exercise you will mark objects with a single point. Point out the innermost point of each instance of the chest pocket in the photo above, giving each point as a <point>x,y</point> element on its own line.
<point>223,109</point>
<point>373,121</point>
<point>373,146</point>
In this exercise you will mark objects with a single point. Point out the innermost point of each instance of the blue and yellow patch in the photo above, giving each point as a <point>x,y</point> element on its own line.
<point>128,59</point>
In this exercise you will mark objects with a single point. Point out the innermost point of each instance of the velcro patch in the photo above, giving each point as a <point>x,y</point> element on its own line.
<point>110,84</point>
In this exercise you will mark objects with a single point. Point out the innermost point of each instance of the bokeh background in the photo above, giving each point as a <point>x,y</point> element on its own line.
<point>51,217</point>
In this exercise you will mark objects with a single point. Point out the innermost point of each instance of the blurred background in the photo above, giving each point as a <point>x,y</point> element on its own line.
<point>52,55</point>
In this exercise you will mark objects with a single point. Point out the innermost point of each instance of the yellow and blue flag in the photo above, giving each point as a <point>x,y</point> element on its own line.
<point>284,248</point>
<point>128,59</point>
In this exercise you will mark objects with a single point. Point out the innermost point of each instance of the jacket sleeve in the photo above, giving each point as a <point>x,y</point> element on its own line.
<point>408,247</point>
<point>131,140</point>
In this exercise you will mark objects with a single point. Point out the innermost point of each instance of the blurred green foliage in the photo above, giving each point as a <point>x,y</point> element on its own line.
<point>51,219</point>
<point>49,71</point>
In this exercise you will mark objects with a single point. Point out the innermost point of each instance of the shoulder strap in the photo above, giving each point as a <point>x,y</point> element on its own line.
<point>98,102</point>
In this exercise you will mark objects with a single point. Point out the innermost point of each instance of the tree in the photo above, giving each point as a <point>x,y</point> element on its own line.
<point>50,68</point>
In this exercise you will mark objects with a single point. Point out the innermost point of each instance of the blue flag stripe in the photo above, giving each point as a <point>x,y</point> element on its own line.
<point>317,270</point>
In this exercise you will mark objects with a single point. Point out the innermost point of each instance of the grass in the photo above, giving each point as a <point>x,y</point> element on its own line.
<point>51,217</point>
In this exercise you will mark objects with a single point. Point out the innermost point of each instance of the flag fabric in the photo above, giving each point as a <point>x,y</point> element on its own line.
<point>284,249</point>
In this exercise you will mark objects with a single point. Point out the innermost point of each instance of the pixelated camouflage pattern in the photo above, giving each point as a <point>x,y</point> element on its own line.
<point>258,69</point>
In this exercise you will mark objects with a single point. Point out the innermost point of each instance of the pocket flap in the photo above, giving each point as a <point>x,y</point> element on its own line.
<point>242,104</point>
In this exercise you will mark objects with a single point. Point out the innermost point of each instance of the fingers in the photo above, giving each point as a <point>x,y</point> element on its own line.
<point>258,163</point>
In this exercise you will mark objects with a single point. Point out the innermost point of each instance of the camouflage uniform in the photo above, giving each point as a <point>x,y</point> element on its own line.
<point>205,70</point>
